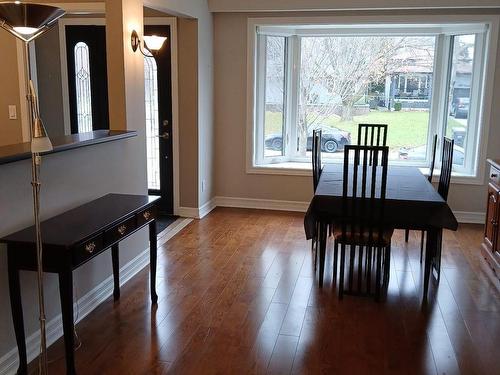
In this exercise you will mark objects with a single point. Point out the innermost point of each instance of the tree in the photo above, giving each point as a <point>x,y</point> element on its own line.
<point>314,89</point>
<point>354,62</point>
<point>334,73</point>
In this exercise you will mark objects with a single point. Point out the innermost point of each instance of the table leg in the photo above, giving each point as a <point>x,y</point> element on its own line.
<point>66,294</point>
<point>430,249</point>
<point>116,271</point>
<point>322,251</point>
<point>152,263</point>
<point>17,315</point>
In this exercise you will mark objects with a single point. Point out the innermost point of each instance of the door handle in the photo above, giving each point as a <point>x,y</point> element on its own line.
<point>165,136</point>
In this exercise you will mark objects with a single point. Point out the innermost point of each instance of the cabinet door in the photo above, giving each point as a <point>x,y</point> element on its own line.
<point>490,231</point>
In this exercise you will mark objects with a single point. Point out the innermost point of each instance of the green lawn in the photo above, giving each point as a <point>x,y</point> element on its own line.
<point>407,129</point>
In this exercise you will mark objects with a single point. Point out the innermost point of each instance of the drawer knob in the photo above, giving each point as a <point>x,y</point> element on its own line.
<point>90,247</point>
<point>146,215</point>
<point>122,229</point>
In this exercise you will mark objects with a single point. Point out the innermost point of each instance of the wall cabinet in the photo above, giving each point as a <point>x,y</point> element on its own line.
<point>491,243</point>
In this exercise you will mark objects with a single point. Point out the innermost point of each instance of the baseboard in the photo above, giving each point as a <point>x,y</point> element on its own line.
<point>470,217</point>
<point>197,213</point>
<point>297,206</point>
<point>87,303</point>
<point>207,208</point>
<point>263,204</point>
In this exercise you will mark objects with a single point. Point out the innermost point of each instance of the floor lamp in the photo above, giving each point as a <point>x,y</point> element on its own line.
<point>27,22</point>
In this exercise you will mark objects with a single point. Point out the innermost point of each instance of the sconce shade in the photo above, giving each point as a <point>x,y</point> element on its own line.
<point>154,42</point>
<point>27,21</point>
<point>40,142</point>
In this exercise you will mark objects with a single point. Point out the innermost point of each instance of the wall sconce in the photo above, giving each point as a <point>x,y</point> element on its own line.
<point>152,43</point>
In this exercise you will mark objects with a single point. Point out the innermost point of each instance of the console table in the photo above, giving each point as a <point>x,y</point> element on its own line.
<point>69,241</point>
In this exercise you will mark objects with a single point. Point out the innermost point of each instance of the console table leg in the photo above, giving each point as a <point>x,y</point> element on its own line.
<point>17,315</point>
<point>116,271</point>
<point>66,294</point>
<point>152,262</point>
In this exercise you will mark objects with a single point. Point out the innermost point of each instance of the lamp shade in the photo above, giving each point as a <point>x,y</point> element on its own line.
<point>154,42</point>
<point>27,21</point>
<point>40,142</point>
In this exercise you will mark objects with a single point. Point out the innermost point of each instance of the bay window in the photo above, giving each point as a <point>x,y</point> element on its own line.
<point>418,79</point>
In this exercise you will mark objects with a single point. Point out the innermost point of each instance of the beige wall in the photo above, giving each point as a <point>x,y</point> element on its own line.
<point>50,96</point>
<point>301,5</point>
<point>230,51</point>
<point>10,130</point>
<point>187,38</point>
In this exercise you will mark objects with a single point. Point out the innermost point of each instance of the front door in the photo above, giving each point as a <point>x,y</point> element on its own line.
<point>158,97</point>
<point>87,77</point>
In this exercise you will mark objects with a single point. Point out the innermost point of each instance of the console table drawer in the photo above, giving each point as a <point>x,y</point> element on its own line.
<point>119,231</point>
<point>88,249</point>
<point>146,216</point>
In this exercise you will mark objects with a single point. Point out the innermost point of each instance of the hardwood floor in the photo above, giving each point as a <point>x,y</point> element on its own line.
<point>238,295</point>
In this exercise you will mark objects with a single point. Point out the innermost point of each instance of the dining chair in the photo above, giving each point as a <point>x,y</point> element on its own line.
<point>372,134</point>
<point>316,169</point>
<point>316,157</point>
<point>444,187</point>
<point>431,174</point>
<point>363,201</point>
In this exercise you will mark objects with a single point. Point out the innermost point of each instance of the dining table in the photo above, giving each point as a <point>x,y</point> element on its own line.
<point>411,202</point>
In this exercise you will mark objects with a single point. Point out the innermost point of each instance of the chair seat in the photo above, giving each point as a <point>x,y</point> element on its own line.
<point>358,237</point>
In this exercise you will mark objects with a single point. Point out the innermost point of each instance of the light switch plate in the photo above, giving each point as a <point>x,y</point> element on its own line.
<point>12,112</point>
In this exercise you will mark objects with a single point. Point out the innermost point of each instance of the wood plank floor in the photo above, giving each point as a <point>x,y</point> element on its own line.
<point>238,295</point>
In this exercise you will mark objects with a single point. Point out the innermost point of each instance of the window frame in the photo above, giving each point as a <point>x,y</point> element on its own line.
<point>444,25</point>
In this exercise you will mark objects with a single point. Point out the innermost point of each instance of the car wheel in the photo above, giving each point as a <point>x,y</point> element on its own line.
<point>277,144</point>
<point>330,146</point>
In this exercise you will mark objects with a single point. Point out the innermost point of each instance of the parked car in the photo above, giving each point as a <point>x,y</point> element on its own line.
<point>460,108</point>
<point>418,153</point>
<point>332,140</point>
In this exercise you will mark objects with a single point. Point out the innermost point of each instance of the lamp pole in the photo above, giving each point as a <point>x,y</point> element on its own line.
<point>35,184</point>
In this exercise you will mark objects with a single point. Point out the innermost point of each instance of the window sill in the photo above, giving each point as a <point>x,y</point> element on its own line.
<point>304,169</point>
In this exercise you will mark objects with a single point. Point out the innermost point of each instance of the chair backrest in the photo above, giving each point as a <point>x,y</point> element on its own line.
<point>372,134</point>
<point>362,179</point>
<point>446,167</point>
<point>316,157</point>
<point>433,160</point>
<point>364,188</point>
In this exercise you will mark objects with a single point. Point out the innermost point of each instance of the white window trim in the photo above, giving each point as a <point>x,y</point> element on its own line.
<point>483,117</point>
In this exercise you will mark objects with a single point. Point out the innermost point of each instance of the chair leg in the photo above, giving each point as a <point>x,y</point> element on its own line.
<point>360,268</point>
<point>407,235</point>
<point>369,269</point>
<point>387,268</point>
<point>341,271</point>
<point>422,246</point>
<point>335,260</point>
<point>377,277</point>
<point>314,251</point>
<point>352,255</point>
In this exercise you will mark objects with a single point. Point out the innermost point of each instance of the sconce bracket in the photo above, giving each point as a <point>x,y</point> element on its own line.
<point>135,42</point>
